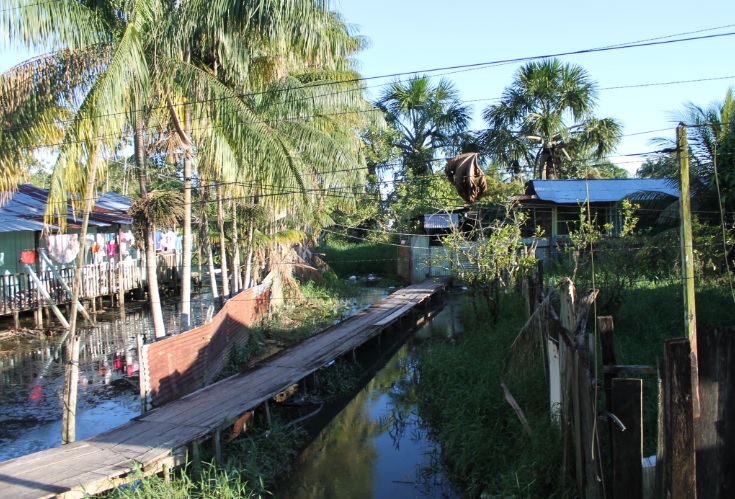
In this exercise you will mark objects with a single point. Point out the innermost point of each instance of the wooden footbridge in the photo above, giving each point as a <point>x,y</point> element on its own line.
<point>160,439</point>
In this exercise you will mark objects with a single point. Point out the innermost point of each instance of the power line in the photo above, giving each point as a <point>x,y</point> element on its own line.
<point>656,41</point>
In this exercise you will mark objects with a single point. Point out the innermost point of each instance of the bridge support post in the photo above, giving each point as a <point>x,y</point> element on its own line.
<point>217,446</point>
<point>196,455</point>
<point>267,413</point>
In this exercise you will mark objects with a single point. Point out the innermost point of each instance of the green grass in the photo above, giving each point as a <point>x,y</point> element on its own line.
<point>360,259</point>
<point>483,443</point>
<point>208,483</point>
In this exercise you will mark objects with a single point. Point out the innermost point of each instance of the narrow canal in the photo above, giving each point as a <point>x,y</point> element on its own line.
<point>32,372</point>
<point>370,444</point>
<point>376,445</point>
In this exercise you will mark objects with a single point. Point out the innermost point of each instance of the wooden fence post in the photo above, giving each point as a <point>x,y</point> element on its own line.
<point>567,316</point>
<point>678,478</point>
<point>606,330</point>
<point>715,431</point>
<point>627,441</point>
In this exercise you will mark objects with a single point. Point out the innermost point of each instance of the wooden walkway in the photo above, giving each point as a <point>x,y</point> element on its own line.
<point>158,439</point>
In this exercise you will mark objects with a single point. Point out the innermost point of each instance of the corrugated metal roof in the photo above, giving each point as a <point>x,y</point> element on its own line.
<point>598,190</point>
<point>440,220</point>
<point>24,211</point>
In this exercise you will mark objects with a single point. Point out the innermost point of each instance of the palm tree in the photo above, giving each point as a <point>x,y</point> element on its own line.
<point>267,79</point>
<point>430,118</point>
<point>79,91</point>
<point>545,122</point>
<point>711,139</point>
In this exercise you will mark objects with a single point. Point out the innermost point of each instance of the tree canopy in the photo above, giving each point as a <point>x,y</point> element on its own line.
<point>545,122</point>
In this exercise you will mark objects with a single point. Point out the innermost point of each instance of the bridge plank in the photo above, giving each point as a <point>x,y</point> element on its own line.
<point>98,463</point>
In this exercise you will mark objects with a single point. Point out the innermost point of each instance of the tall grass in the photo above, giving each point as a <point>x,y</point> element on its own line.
<point>482,440</point>
<point>208,483</point>
<point>483,443</point>
<point>651,313</point>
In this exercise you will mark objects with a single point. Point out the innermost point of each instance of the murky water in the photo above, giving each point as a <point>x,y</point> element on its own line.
<point>32,373</point>
<point>377,446</point>
<point>32,377</point>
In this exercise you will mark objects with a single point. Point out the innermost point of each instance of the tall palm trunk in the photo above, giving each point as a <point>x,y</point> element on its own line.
<point>222,242</point>
<point>249,263</point>
<point>149,234</point>
<point>186,243</point>
<point>71,382</point>
<point>207,241</point>
<point>235,252</point>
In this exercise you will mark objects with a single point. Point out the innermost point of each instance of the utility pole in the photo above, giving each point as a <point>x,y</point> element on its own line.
<point>687,260</point>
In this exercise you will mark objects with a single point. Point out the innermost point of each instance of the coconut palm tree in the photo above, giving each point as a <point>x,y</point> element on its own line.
<point>115,70</point>
<point>545,122</point>
<point>80,91</point>
<point>267,78</point>
<point>431,118</point>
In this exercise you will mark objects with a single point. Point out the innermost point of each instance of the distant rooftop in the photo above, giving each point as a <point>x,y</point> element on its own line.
<point>597,190</point>
<point>24,211</point>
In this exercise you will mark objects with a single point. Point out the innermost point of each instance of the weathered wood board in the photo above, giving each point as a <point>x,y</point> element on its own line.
<point>101,462</point>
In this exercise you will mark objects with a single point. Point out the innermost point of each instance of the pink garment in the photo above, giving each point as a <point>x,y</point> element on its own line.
<point>63,248</point>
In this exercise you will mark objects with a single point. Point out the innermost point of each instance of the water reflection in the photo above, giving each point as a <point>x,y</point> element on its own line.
<point>32,377</point>
<point>377,446</point>
<point>32,373</point>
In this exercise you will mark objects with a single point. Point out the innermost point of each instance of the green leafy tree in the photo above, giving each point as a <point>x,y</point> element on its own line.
<point>491,259</point>
<point>430,119</point>
<point>545,122</point>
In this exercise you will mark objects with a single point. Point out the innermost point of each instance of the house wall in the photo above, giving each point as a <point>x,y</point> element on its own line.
<point>11,245</point>
<point>429,261</point>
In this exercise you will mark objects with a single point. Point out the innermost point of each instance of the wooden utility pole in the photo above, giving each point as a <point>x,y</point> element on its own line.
<point>687,259</point>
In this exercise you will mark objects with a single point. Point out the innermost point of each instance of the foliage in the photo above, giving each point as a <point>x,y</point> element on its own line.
<point>162,209</point>
<point>264,453</point>
<point>337,379</point>
<point>603,256</point>
<point>490,259</point>
<point>430,118</point>
<point>545,122</point>
<point>415,195</point>
<point>208,483</point>
<point>348,256</point>
<point>711,140</point>
<point>483,443</point>
<point>242,354</point>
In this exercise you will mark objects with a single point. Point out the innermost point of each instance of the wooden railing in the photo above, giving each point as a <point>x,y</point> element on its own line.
<point>19,293</point>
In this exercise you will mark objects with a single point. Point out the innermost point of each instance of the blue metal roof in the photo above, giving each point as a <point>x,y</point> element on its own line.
<point>440,220</point>
<point>597,190</point>
<point>24,211</point>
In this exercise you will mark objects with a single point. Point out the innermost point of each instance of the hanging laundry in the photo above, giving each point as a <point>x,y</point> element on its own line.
<point>170,240</point>
<point>63,248</point>
<point>111,249</point>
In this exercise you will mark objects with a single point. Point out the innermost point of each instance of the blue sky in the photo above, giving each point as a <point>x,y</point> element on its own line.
<point>413,36</point>
<point>419,35</point>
